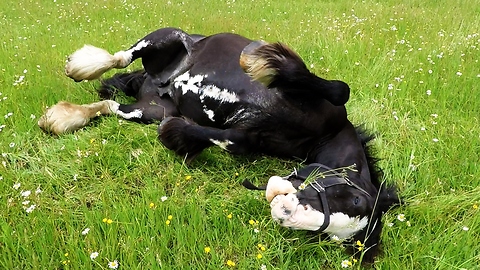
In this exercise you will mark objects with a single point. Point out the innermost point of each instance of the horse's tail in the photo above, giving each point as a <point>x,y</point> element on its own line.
<point>277,66</point>
<point>129,83</point>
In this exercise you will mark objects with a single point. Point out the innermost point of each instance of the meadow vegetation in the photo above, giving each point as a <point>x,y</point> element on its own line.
<point>111,195</point>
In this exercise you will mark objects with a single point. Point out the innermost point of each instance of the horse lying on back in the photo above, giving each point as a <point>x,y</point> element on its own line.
<point>246,97</point>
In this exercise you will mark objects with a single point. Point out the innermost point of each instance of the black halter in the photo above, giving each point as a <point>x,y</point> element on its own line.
<point>327,177</point>
<point>321,183</point>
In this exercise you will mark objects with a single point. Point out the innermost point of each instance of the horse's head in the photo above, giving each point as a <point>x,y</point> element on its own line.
<point>325,200</point>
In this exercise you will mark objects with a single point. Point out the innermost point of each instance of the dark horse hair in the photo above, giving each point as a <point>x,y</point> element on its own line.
<point>387,198</point>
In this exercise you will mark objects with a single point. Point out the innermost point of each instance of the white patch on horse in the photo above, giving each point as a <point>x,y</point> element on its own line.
<point>288,212</point>
<point>345,226</point>
<point>188,83</point>
<point>237,114</point>
<point>222,144</point>
<point>210,114</point>
<point>222,95</point>
<point>134,114</point>
<point>124,58</point>
<point>140,45</point>
<point>194,84</point>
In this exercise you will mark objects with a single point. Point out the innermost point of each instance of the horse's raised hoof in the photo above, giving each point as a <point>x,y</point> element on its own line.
<point>178,134</point>
<point>171,135</point>
<point>248,51</point>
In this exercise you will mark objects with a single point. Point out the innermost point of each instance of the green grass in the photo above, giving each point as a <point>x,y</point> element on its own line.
<point>390,54</point>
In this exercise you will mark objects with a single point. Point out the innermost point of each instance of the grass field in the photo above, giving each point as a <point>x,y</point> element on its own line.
<point>112,189</point>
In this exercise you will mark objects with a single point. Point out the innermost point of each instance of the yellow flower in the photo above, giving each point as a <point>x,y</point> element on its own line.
<point>98,113</point>
<point>151,205</point>
<point>475,206</point>
<point>230,263</point>
<point>229,215</point>
<point>261,247</point>
<point>92,140</point>
<point>109,221</point>
<point>251,222</point>
<point>207,249</point>
<point>236,174</point>
<point>259,256</point>
<point>359,245</point>
<point>66,254</point>
<point>188,177</point>
<point>167,222</point>
<point>104,220</point>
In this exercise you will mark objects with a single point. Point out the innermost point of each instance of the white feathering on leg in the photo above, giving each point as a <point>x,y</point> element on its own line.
<point>90,62</point>
<point>66,117</point>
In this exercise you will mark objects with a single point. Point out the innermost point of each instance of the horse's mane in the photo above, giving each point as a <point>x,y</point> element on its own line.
<point>366,137</point>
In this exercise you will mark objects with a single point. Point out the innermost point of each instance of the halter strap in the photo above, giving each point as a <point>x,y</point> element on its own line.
<point>321,183</point>
<point>325,182</point>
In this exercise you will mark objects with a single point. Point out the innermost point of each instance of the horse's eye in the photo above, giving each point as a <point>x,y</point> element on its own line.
<point>356,200</point>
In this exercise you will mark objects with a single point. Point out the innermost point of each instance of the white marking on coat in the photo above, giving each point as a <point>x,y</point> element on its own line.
<point>210,114</point>
<point>222,144</point>
<point>140,45</point>
<point>188,83</point>
<point>124,58</point>
<point>194,84</point>
<point>134,114</point>
<point>239,115</point>
<point>288,212</point>
<point>222,95</point>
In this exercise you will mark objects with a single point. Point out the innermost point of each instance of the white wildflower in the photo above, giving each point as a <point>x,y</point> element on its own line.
<point>26,193</point>
<point>93,255</point>
<point>31,208</point>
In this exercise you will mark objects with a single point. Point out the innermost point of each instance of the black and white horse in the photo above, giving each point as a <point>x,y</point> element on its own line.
<point>246,97</point>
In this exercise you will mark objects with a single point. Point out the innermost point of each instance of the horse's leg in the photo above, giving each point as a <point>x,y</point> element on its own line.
<point>165,49</point>
<point>67,117</point>
<point>189,139</point>
<point>277,66</point>
<point>148,109</point>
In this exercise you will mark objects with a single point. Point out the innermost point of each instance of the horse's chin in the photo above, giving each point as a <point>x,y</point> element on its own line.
<point>288,212</point>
